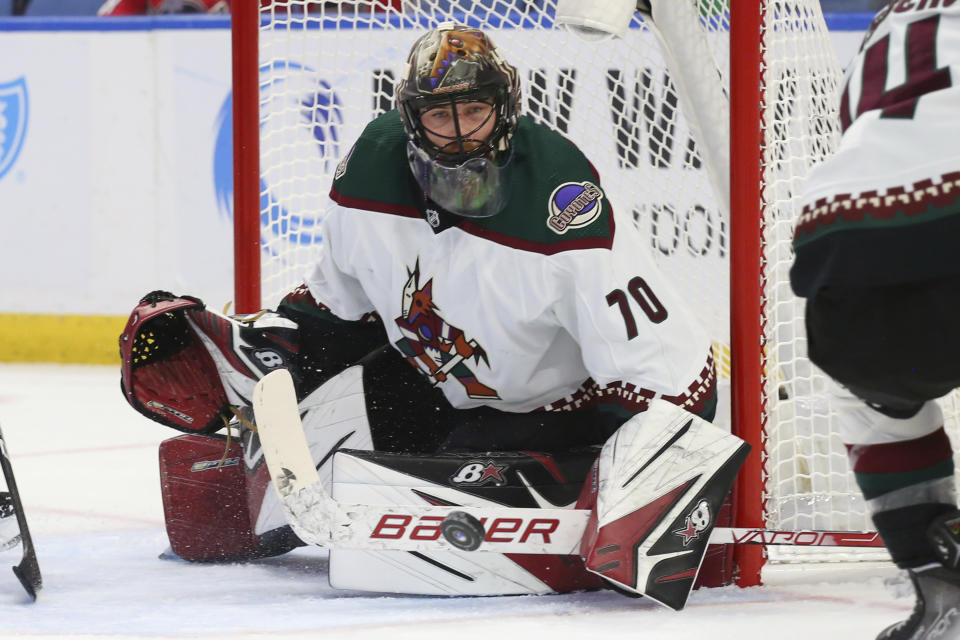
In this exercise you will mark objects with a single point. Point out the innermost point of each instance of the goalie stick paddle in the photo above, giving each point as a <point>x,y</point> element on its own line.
<point>430,527</point>
<point>28,571</point>
<point>281,434</point>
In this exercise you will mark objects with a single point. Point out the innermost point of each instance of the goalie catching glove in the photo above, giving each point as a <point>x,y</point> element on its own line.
<point>184,366</point>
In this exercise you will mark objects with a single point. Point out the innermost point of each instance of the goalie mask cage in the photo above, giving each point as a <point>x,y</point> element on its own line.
<point>650,110</point>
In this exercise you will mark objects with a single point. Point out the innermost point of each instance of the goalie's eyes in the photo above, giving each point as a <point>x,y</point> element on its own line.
<point>470,115</point>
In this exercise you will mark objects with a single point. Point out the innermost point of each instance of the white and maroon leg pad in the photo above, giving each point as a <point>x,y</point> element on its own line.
<point>204,499</point>
<point>383,478</point>
<point>658,486</point>
<point>334,416</point>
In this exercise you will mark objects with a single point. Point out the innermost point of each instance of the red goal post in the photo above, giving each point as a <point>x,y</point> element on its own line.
<point>245,29</point>
<point>625,104</point>
<point>746,337</point>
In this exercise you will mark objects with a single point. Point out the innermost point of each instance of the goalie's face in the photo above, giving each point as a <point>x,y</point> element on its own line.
<point>456,163</point>
<point>459,128</point>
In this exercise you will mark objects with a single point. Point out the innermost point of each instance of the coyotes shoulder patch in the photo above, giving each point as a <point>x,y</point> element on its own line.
<point>574,205</point>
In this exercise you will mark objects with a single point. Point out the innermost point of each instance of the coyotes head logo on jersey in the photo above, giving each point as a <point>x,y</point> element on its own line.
<point>436,348</point>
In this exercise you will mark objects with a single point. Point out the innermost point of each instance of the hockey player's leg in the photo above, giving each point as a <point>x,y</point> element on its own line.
<point>400,413</point>
<point>895,349</point>
<point>909,489</point>
<point>936,613</point>
<point>904,467</point>
<point>406,402</point>
<point>406,414</point>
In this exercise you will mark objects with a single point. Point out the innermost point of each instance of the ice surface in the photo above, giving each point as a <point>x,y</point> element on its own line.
<point>86,464</point>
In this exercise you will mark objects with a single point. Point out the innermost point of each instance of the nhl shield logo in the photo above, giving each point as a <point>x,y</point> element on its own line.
<point>13,122</point>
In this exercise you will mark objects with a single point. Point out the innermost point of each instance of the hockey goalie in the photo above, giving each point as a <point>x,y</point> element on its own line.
<point>476,331</point>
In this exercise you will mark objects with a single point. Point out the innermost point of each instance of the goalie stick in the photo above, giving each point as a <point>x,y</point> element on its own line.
<point>28,571</point>
<point>319,519</point>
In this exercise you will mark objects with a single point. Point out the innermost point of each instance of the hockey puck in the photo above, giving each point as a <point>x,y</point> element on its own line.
<point>462,530</point>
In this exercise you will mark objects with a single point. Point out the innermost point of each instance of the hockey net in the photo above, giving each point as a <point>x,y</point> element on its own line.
<point>656,128</point>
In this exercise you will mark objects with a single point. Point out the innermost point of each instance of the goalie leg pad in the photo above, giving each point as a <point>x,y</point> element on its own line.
<point>334,416</point>
<point>519,479</point>
<point>205,503</point>
<point>658,485</point>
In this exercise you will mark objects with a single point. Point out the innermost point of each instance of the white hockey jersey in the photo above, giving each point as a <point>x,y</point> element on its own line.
<point>896,172</point>
<point>541,306</point>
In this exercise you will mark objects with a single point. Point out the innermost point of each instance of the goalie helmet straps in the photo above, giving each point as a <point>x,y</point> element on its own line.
<point>166,373</point>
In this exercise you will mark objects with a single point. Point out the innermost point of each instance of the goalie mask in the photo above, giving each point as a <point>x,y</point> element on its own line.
<point>459,104</point>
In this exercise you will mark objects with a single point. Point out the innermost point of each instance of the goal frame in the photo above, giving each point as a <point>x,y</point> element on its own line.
<point>746,206</point>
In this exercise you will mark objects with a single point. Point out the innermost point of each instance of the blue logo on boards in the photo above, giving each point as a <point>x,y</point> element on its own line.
<point>299,111</point>
<point>13,122</point>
